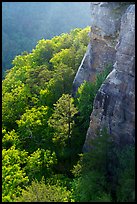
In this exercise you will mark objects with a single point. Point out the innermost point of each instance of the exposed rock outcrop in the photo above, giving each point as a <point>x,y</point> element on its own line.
<point>105,25</point>
<point>114,105</point>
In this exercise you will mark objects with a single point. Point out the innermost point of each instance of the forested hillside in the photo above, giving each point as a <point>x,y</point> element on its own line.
<point>24,23</point>
<point>44,128</point>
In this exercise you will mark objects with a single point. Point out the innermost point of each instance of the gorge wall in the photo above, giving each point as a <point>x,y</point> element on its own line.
<point>112,41</point>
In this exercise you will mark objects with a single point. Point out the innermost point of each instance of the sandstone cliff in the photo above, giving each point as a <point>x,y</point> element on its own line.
<point>112,41</point>
<point>105,25</point>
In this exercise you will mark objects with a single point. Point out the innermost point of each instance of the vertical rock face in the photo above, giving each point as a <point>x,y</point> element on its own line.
<point>105,25</point>
<point>114,105</point>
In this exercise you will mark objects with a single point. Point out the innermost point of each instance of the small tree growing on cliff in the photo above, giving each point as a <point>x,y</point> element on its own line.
<point>86,94</point>
<point>62,121</point>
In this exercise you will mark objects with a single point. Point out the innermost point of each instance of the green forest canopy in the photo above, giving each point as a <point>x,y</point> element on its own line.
<point>44,128</point>
<point>30,89</point>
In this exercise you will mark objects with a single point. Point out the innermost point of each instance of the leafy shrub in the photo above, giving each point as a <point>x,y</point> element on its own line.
<point>10,138</point>
<point>40,163</point>
<point>14,177</point>
<point>111,167</point>
<point>90,182</point>
<point>33,128</point>
<point>126,175</point>
<point>90,187</point>
<point>86,94</point>
<point>39,192</point>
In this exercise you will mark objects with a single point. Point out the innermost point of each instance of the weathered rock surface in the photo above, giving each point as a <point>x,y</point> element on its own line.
<point>114,105</point>
<point>105,25</point>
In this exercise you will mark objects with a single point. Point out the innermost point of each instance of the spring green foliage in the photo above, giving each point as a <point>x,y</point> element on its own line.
<point>10,138</point>
<point>126,175</point>
<point>90,181</point>
<point>13,176</point>
<point>106,173</point>
<point>34,80</point>
<point>86,94</point>
<point>14,104</point>
<point>36,87</point>
<point>33,128</point>
<point>60,83</point>
<point>90,188</point>
<point>44,128</point>
<point>40,164</point>
<point>41,192</point>
<point>84,102</point>
<point>62,120</point>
